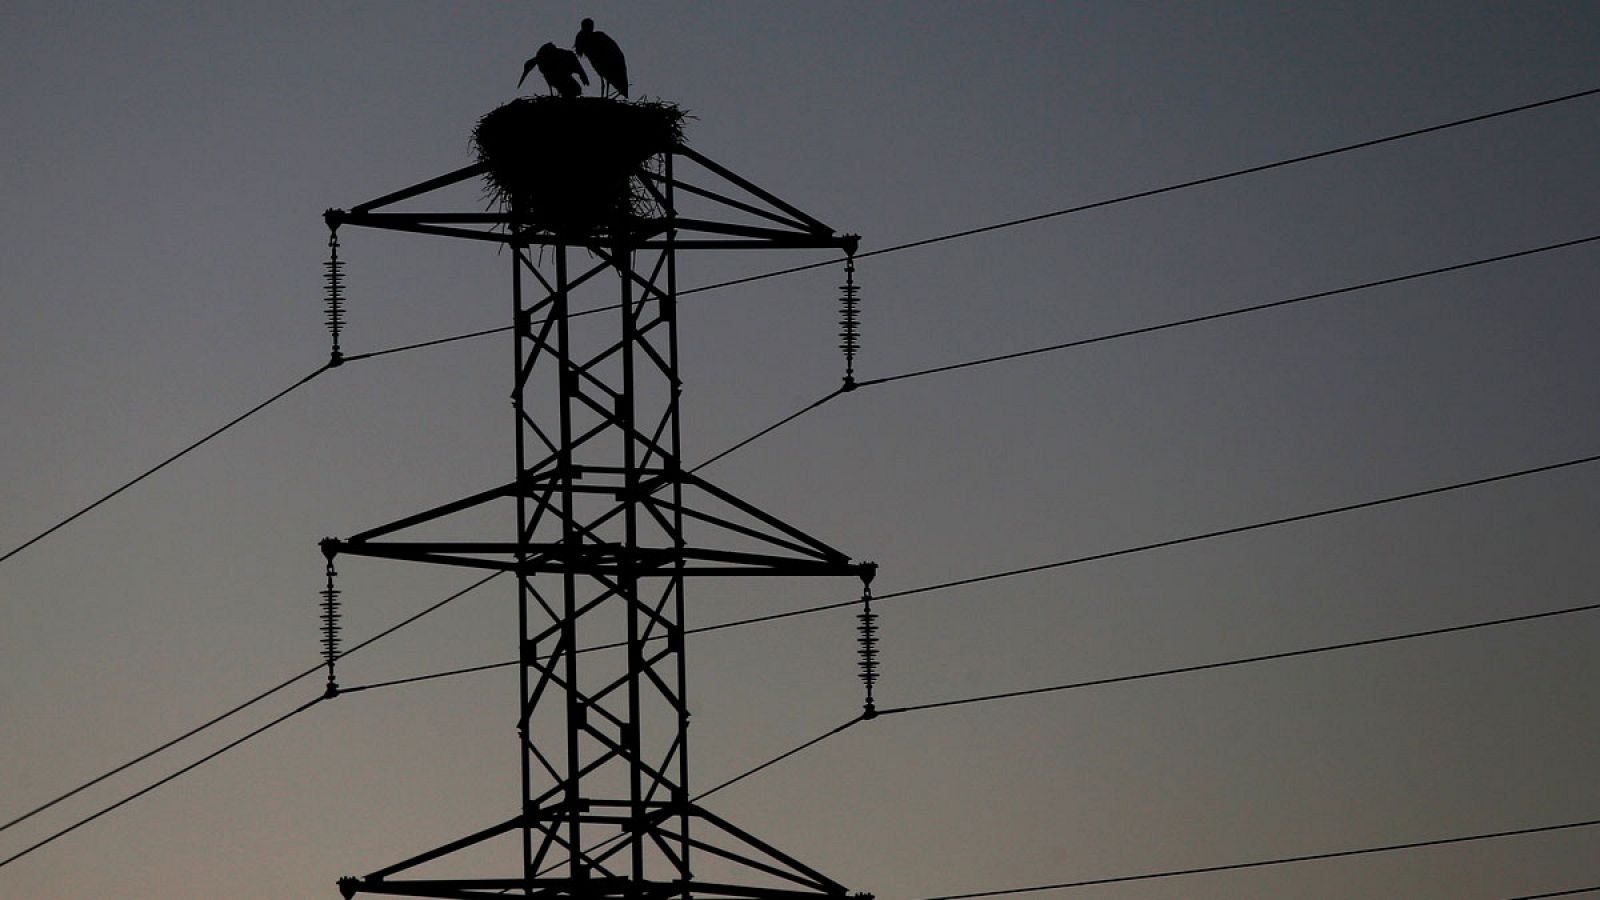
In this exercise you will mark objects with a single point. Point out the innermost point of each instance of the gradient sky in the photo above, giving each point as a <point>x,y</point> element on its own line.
<point>164,171</point>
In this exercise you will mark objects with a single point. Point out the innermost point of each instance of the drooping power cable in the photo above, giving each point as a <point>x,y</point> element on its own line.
<point>174,776</point>
<point>1084,207</point>
<point>1147,329</point>
<point>1243,661</point>
<point>1244,310</point>
<point>1151,192</point>
<point>246,704</point>
<point>1079,560</point>
<point>1279,861</point>
<point>163,464</point>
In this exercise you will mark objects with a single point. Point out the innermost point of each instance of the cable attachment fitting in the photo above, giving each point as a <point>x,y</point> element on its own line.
<point>333,275</point>
<point>330,626</point>
<point>867,642</point>
<point>849,321</point>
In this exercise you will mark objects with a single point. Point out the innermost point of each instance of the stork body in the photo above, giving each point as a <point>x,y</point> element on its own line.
<point>560,68</point>
<point>604,54</point>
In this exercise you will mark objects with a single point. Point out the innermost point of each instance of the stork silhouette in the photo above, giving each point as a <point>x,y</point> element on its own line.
<point>558,67</point>
<point>606,57</point>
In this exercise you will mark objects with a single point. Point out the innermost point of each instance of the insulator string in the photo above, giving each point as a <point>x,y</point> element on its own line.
<point>867,642</point>
<point>333,274</point>
<point>849,321</point>
<point>330,627</point>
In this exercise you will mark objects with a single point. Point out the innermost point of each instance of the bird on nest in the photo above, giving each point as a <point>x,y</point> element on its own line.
<point>604,55</point>
<point>560,68</point>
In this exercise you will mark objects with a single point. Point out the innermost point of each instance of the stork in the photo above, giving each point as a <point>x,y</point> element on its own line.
<point>558,67</point>
<point>604,54</point>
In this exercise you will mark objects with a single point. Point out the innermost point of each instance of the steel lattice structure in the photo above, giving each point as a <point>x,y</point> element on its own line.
<point>602,549</point>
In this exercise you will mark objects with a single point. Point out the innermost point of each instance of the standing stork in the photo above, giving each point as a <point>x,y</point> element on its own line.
<point>558,67</point>
<point>604,54</point>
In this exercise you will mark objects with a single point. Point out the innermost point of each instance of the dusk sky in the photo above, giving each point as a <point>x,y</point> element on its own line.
<point>165,169</point>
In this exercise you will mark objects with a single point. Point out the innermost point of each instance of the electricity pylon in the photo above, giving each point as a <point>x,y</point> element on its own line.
<point>602,549</point>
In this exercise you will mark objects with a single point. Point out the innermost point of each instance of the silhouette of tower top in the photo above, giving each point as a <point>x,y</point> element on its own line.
<point>610,525</point>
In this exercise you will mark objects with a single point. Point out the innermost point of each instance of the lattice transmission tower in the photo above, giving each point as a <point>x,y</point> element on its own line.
<point>610,528</point>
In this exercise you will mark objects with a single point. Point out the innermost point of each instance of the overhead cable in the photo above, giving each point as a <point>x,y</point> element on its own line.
<point>1094,557</point>
<point>1208,317</point>
<point>1243,661</point>
<point>435,676</point>
<point>152,752</point>
<point>1147,329</point>
<point>770,428</point>
<point>1279,861</point>
<point>246,704</point>
<point>164,463</point>
<point>896,248</point>
<point>174,776</point>
<point>1172,542</point>
<point>433,343</point>
<point>1151,192</point>
<point>1083,207</point>
<point>779,758</point>
<point>616,838</point>
<point>1240,529</point>
<point>1004,357</point>
<point>1074,685</point>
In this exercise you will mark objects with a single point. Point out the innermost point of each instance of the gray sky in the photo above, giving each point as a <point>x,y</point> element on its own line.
<point>164,171</point>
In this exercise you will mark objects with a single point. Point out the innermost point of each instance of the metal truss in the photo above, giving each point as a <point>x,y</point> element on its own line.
<point>602,549</point>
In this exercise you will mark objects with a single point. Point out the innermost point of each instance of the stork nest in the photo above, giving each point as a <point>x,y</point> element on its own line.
<point>573,165</point>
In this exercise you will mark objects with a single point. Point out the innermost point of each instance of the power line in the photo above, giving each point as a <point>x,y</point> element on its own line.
<point>174,776</point>
<point>355,357</point>
<point>1194,320</point>
<point>773,617</point>
<point>164,463</point>
<point>920,243</point>
<point>149,753</point>
<point>617,838</point>
<point>857,719</point>
<point>853,721</point>
<point>1014,355</point>
<point>770,428</point>
<point>417,615</point>
<point>1004,357</point>
<point>1260,863</point>
<point>896,248</point>
<point>1147,329</point>
<point>1293,653</point>
<point>1208,869</point>
<point>1223,664</point>
<point>968,233</point>
<point>787,419</point>
<point>246,704</point>
<point>1151,192</point>
<point>484,332</point>
<point>1171,542</point>
<point>435,676</point>
<point>779,758</point>
<point>1075,685</point>
<point>1240,529</point>
<point>1012,223</point>
<point>614,645</point>
<point>1077,560</point>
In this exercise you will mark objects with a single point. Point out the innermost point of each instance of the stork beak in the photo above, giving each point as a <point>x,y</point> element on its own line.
<point>528,67</point>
